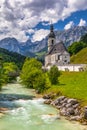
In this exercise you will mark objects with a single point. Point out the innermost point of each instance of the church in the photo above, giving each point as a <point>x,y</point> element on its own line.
<point>58,55</point>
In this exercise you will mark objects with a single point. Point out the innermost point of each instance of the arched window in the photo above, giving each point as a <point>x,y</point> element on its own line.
<point>52,42</point>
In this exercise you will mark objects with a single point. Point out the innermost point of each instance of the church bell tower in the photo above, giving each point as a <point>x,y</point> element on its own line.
<point>51,38</point>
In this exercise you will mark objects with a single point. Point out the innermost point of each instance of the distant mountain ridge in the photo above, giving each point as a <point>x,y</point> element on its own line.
<point>29,48</point>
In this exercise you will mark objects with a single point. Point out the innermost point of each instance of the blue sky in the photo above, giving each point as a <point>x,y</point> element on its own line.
<point>30,19</point>
<point>75,17</point>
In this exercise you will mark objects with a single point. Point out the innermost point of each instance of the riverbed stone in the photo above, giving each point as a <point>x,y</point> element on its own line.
<point>85,112</point>
<point>70,108</point>
<point>68,105</point>
<point>48,101</point>
<point>63,111</point>
<point>70,111</point>
<point>75,106</point>
<point>72,101</point>
<point>61,98</point>
<point>75,118</point>
<point>46,96</point>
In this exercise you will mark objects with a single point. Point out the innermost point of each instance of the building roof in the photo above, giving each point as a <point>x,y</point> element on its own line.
<point>57,48</point>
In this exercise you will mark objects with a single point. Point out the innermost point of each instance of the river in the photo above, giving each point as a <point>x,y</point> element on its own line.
<point>29,113</point>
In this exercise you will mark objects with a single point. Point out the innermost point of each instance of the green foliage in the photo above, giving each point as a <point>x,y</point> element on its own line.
<point>32,75</point>
<point>1,73</point>
<point>84,39</point>
<point>7,56</point>
<point>1,80</point>
<point>76,47</point>
<point>53,74</point>
<point>10,71</point>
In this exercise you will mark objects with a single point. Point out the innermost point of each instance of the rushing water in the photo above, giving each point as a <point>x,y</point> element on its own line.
<point>29,113</point>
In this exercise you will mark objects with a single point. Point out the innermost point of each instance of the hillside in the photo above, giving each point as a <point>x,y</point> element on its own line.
<point>80,57</point>
<point>12,57</point>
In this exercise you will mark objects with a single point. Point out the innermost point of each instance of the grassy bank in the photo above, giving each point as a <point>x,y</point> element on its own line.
<point>73,85</point>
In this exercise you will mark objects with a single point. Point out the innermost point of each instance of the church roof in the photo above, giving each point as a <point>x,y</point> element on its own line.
<point>58,48</point>
<point>52,34</point>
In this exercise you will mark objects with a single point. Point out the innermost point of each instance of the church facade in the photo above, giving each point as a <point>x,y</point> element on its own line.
<point>58,55</point>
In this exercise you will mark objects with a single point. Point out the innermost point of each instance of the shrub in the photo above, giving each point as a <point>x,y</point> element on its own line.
<point>32,75</point>
<point>53,75</point>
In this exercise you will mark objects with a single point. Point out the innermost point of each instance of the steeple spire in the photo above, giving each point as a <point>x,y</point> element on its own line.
<point>51,28</point>
<point>52,34</point>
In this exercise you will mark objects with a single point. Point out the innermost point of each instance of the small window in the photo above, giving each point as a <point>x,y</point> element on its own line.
<point>66,69</point>
<point>52,42</point>
<point>65,60</point>
<point>81,69</point>
<point>58,57</point>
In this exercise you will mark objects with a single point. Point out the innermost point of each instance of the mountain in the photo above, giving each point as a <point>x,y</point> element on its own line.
<point>10,44</point>
<point>12,57</point>
<point>80,57</point>
<point>30,48</point>
<point>71,35</point>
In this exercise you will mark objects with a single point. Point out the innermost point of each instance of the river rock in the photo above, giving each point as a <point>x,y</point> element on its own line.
<point>61,98</point>
<point>70,111</point>
<point>48,101</point>
<point>68,105</point>
<point>64,105</point>
<point>3,109</point>
<point>85,112</point>
<point>63,111</point>
<point>75,118</point>
<point>46,96</point>
<point>72,101</point>
<point>77,111</point>
<point>75,106</point>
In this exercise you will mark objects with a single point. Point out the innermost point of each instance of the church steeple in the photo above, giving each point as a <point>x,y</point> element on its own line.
<point>51,38</point>
<point>52,34</point>
<point>51,28</point>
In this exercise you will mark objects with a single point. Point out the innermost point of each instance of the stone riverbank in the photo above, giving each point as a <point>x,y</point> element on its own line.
<point>68,107</point>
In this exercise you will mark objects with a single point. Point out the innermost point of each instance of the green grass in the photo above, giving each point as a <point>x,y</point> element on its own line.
<point>73,85</point>
<point>80,57</point>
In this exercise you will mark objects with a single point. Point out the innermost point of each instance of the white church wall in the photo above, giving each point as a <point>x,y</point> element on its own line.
<point>53,59</point>
<point>70,67</point>
<point>47,60</point>
<point>79,67</point>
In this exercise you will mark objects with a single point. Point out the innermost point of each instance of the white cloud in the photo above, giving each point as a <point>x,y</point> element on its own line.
<point>23,15</point>
<point>40,34</point>
<point>69,25</point>
<point>82,22</point>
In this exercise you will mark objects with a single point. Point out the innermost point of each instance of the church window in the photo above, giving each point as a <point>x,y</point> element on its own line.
<point>58,57</point>
<point>52,42</point>
<point>65,60</point>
